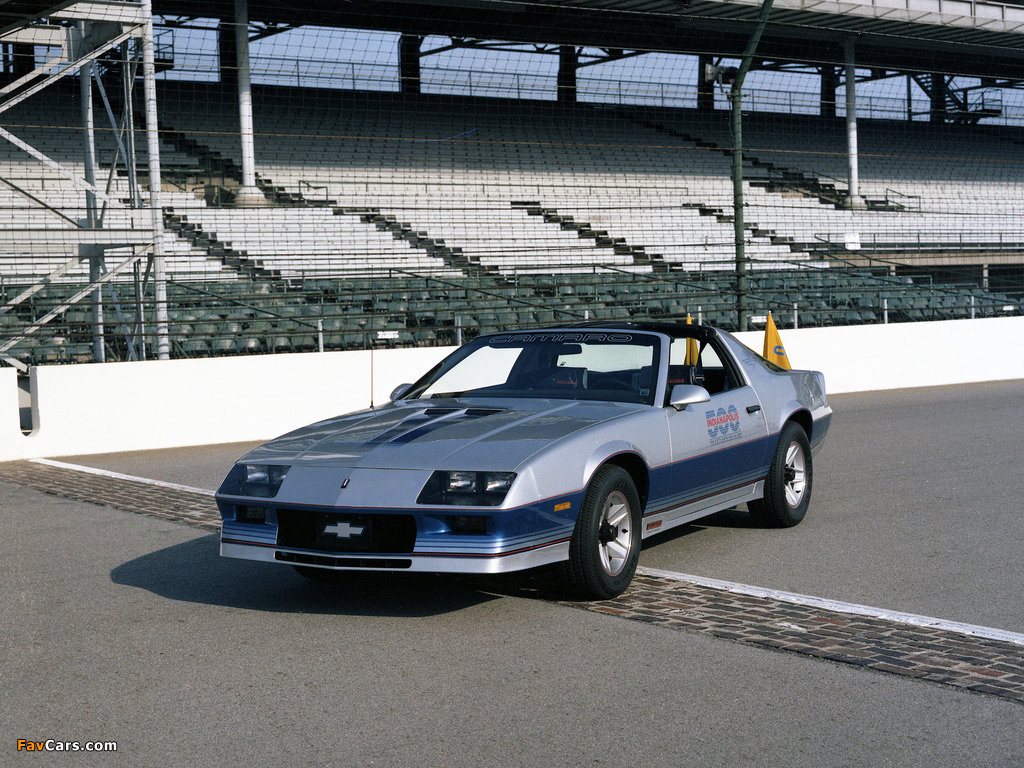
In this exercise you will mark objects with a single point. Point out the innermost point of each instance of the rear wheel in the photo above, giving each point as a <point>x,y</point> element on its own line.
<point>787,489</point>
<point>605,545</point>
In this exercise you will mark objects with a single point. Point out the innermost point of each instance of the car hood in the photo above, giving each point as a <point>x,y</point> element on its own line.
<point>444,434</point>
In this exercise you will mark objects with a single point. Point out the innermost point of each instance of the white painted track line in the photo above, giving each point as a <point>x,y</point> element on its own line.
<point>973,630</point>
<point>119,476</point>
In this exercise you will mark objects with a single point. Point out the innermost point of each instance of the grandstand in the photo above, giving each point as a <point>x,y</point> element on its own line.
<point>394,217</point>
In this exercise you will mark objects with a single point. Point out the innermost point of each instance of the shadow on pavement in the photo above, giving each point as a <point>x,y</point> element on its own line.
<point>194,572</point>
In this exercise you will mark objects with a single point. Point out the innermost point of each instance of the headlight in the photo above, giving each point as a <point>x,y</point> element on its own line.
<point>462,488</point>
<point>460,482</point>
<point>260,480</point>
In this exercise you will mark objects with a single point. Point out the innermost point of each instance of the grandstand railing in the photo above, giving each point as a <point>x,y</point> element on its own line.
<point>541,86</point>
<point>410,309</point>
<point>953,244</point>
<point>906,202</point>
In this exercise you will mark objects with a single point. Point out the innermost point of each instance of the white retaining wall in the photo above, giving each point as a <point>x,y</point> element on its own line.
<point>862,358</point>
<point>81,409</point>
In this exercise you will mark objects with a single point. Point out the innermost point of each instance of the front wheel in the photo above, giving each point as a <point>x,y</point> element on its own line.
<point>787,489</point>
<point>605,544</point>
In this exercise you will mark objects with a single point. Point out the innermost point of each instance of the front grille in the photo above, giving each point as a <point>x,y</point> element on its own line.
<point>328,531</point>
<point>389,563</point>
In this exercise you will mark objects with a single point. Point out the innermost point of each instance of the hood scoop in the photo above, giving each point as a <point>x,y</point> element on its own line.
<point>430,420</point>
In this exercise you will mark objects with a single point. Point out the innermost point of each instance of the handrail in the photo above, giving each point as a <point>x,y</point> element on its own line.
<point>303,184</point>
<point>484,292</point>
<point>42,203</point>
<point>898,194</point>
<point>799,179</point>
<point>230,300</point>
<point>850,298</point>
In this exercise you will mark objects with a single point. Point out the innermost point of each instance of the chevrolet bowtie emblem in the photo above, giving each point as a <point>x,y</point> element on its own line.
<point>344,530</point>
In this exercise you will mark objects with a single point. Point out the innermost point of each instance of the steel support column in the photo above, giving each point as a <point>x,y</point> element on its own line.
<point>91,221</point>
<point>851,126</point>
<point>939,98</point>
<point>739,230</point>
<point>248,194</point>
<point>827,93</point>
<point>568,61</point>
<point>227,53</point>
<point>409,63</point>
<point>163,344</point>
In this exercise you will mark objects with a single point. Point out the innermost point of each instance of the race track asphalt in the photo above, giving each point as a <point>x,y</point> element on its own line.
<point>125,627</point>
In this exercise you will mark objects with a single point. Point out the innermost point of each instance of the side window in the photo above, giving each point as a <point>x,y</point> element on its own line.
<point>716,373</point>
<point>694,362</point>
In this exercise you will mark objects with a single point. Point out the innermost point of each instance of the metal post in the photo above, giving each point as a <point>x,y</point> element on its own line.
<point>163,344</point>
<point>128,116</point>
<point>851,124</point>
<point>885,311</point>
<point>91,212</point>
<point>127,81</point>
<point>139,327</point>
<point>85,89</point>
<point>736,99</point>
<point>739,238</point>
<point>796,316</point>
<point>249,193</point>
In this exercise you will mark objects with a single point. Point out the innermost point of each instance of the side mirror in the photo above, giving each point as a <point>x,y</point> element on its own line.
<point>687,394</point>
<point>401,389</point>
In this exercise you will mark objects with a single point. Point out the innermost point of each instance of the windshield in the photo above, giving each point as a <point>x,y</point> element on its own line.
<point>573,365</point>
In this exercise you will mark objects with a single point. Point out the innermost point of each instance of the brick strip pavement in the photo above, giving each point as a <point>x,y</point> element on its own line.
<point>939,656</point>
<point>977,664</point>
<point>142,498</point>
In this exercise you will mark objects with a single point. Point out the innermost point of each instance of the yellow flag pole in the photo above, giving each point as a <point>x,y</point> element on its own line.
<point>691,346</point>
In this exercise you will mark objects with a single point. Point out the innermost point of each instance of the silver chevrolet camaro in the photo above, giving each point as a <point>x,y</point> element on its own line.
<point>559,446</point>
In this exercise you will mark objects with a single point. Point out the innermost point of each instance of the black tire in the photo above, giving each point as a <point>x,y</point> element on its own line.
<point>605,544</point>
<point>787,488</point>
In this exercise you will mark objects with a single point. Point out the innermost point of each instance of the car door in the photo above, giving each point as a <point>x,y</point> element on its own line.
<point>718,447</point>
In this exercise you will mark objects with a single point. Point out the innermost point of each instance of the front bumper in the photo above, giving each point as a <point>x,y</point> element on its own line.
<point>505,563</point>
<point>437,540</point>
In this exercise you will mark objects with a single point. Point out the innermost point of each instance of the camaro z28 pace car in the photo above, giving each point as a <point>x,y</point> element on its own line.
<point>564,445</point>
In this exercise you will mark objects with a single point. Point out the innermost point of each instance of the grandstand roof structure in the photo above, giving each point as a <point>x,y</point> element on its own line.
<point>948,36</point>
<point>982,39</point>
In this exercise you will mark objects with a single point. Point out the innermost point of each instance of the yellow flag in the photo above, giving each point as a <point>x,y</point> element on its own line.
<point>691,346</point>
<point>773,349</point>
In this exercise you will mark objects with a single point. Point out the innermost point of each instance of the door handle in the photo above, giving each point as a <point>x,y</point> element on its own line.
<point>753,408</point>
